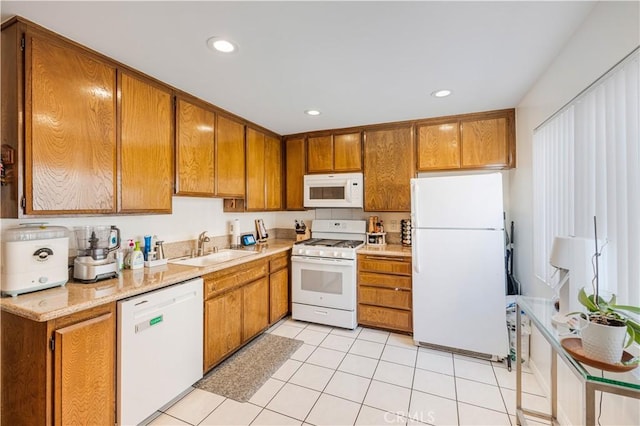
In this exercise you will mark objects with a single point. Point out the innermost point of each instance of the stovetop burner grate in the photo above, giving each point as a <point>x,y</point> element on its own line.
<point>323,242</point>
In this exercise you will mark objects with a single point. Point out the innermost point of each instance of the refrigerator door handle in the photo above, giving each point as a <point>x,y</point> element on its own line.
<point>416,256</point>
<point>414,202</point>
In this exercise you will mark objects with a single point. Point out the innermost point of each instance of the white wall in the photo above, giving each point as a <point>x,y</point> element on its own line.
<point>190,216</point>
<point>608,34</point>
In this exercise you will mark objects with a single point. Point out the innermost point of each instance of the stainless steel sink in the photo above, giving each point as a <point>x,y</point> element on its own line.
<point>211,259</point>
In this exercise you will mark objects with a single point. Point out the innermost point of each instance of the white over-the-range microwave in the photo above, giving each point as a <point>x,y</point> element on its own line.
<point>334,190</point>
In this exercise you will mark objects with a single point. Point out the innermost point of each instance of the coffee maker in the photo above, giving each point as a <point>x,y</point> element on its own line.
<point>94,245</point>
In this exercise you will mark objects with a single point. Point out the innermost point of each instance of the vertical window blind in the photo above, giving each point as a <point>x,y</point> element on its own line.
<point>586,161</point>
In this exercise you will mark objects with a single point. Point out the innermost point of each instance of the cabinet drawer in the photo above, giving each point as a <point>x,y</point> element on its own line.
<point>393,319</point>
<point>385,264</point>
<point>279,262</point>
<point>383,280</point>
<point>391,298</point>
<point>216,282</point>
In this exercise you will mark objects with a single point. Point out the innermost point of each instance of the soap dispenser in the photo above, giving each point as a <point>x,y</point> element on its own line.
<point>137,257</point>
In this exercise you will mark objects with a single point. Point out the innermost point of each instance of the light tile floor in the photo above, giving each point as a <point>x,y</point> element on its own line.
<point>365,377</point>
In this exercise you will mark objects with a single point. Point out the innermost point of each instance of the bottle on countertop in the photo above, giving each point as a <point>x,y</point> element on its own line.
<point>137,258</point>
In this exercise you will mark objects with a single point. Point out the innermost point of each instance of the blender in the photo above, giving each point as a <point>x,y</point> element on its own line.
<point>94,245</point>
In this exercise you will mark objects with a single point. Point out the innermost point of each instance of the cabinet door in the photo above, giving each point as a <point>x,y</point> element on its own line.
<point>485,143</point>
<point>146,159</point>
<point>273,173</point>
<point>278,295</point>
<point>256,199</point>
<point>84,372</point>
<point>195,150</point>
<point>388,167</point>
<point>222,327</point>
<point>70,130</point>
<point>255,308</point>
<point>438,146</point>
<point>320,154</point>
<point>230,157</point>
<point>347,152</point>
<point>295,170</point>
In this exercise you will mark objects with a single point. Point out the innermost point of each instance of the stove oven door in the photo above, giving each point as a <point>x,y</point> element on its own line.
<point>330,283</point>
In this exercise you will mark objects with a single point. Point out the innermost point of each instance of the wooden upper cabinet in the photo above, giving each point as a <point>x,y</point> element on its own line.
<point>347,152</point>
<point>388,167</point>
<point>195,149</point>
<point>256,199</point>
<point>485,143</point>
<point>438,146</point>
<point>320,154</point>
<point>334,153</point>
<point>264,171</point>
<point>484,140</point>
<point>273,172</point>
<point>146,151</point>
<point>70,118</point>
<point>230,159</point>
<point>295,170</point>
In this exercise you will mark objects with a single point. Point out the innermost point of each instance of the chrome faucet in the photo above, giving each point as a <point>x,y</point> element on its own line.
<point>202,238</point>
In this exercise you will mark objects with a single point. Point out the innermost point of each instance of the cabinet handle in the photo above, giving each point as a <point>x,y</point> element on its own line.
<point>396,259</point>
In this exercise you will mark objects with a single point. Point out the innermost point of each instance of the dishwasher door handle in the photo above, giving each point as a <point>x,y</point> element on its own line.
<point>162,305</point>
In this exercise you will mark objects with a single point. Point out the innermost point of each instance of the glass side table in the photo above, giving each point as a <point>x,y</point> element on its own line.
<point>540,312</point>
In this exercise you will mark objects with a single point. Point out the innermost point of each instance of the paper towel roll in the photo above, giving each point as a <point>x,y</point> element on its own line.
<point>236,231</point>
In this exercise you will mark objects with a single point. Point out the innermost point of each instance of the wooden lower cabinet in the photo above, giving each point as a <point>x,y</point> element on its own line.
<point>241,302</point>
<point>279,286</point>
<point>222,326</point>
<point>389,319</point>
<point>384,292</point>
<point>236,308</point>
<point>255,308</point>
<point>59,372</point>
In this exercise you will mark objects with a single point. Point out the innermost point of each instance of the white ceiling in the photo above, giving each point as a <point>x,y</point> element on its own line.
<point>357,62</point>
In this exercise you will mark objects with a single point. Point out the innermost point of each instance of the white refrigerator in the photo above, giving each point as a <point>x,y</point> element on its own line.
<point>458,249</point>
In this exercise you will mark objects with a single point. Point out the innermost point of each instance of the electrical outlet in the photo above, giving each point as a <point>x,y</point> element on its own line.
<point>394,226</point>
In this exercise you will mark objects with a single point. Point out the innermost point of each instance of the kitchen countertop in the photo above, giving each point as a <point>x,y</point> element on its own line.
<point>45,305</point>
<point>386,250</point>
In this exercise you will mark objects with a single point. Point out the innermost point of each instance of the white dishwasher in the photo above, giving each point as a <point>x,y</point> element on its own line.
<point>159,348</point>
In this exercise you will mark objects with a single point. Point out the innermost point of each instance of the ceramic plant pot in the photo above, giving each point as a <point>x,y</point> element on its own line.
<point>603,342</point>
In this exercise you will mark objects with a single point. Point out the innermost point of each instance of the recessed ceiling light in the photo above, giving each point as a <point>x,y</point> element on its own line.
<point>221,45</point>
<point>312,112</point>
<point>441,93</point>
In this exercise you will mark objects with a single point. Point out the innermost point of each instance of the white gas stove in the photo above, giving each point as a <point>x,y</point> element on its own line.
<point>324,273</point>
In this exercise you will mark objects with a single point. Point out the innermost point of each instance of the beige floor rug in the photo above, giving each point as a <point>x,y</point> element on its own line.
<point>242,374</point>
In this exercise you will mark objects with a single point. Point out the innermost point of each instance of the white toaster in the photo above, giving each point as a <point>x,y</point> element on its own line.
<point>34,257</point>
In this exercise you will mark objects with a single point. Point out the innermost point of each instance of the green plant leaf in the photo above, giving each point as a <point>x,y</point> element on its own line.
<point>632,335</point>
<point>587,301</point>
<point>628,308</point>
<point>636,330</point>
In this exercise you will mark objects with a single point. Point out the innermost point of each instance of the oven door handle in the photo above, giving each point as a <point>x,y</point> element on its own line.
<point>321,261</point>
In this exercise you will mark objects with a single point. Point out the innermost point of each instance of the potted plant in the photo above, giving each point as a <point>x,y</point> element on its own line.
<point>608,327</point>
